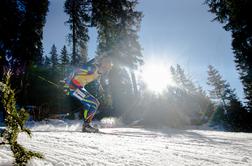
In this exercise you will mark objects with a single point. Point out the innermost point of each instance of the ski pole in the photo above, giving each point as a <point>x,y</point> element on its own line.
<point>44,79</point>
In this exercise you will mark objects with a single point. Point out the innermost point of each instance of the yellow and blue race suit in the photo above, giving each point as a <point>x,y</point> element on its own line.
<point>75,86</point>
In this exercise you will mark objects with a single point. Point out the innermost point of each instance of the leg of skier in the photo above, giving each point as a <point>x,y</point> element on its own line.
<point>91,104</point>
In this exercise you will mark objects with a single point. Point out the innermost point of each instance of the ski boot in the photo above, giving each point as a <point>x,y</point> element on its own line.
<point>89,129</point>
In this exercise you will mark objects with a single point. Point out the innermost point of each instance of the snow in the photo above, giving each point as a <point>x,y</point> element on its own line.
<point>62,144</point>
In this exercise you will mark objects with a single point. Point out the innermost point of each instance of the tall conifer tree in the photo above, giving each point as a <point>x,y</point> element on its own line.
<point>182,80</point>
<point>54,56</point>
<point>64,56</point>
<point>118,23</point>
<point>79,20</point>
<point>24,22</point>
<point>221,90</point>
<point>236,17</point>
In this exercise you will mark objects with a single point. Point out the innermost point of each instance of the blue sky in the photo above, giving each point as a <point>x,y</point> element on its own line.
<point>175,31</point>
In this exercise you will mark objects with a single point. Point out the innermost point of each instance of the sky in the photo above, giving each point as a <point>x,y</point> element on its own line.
<point>172,31</point>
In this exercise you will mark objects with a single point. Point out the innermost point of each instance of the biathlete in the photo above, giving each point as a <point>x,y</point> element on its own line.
<point>75,86</point>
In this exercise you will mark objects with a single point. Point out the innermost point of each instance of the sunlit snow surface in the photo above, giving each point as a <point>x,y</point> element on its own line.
<point>62,144</point>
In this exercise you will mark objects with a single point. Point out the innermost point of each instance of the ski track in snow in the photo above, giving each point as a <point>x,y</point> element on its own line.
<point>134,146</point>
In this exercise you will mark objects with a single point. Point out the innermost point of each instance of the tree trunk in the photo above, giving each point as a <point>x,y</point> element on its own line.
<point>74,44</point>
<point>134,83</point>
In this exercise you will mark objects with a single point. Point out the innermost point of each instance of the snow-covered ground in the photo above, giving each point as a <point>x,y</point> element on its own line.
<point>62,144</point>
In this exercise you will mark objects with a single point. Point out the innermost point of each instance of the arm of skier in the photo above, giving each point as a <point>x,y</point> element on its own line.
<point>85,70</point>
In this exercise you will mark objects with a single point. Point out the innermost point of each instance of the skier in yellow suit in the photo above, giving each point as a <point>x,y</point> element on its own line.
<point>75,86</point>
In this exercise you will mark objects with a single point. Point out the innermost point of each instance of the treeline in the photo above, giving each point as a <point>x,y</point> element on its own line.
<point>188,104</point>
<point>178,106</point>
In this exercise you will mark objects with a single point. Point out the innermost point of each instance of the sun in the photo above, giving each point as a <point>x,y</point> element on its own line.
<point>156,76</point>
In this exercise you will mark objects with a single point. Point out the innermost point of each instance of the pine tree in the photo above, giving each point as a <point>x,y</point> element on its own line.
<point>118,23</point>
<point>121,91</point>
<point>47,61</point>
<point>8,11</point>
<point>232,112</point>
<point>65,63</point>
<point>28,44</point>
<point>15,121</point>
<point>21,32</point>
<point>192,100</point>
<point>54,56</point>
<point>236,17</point>
<point>182,80</point>
<point>174,75</point>
<point>83,51</point>
<point>21,37</point>
<point>220,88</point>
<point>64,56</point>
<point>79,20</point>
<point>32,30</point>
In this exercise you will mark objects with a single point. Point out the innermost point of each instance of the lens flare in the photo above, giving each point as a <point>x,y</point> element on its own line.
<point>157,77</point>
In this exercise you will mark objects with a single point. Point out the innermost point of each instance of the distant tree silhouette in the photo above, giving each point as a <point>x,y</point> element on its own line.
<point>64,56</point>
<point>54,56</point>
<point>236,15</point>
<point>47,61</point>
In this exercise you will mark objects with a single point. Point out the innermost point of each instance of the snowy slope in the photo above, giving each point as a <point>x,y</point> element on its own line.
<point>132,146</point>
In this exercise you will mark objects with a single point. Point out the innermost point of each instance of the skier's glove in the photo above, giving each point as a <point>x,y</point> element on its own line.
<point>66,89</point>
